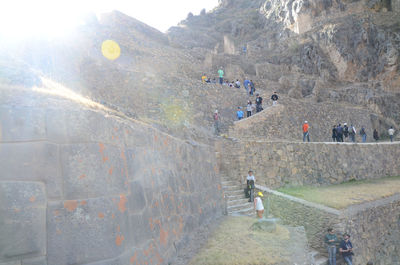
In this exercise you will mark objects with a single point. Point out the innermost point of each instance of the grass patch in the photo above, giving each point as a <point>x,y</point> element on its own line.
<point>345,194</point>
<point>235,243</point>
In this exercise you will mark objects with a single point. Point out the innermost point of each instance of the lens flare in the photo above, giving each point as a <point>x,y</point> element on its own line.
<point>110,50</point>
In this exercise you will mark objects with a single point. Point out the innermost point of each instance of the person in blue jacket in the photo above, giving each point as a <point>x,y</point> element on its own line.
<point>239,113</point>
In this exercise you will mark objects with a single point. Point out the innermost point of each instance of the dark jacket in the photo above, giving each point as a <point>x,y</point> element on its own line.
<point>346,246</point>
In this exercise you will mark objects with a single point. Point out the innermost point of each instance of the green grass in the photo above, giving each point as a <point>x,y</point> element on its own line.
<point>345,194</point>
<point>235,243</point>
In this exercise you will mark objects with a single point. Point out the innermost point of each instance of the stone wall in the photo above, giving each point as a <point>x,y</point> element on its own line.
<point>315,218</point>
<point>285,121</point>
<point>276,164</point>
<point>80,186</point>
<point>374,226</point>
<point>375,231</point>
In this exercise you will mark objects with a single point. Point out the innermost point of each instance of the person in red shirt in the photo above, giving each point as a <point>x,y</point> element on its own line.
<point>306,134</point>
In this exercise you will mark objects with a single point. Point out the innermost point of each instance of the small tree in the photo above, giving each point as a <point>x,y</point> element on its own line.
<point>189,16</point>
<point>203,12</point>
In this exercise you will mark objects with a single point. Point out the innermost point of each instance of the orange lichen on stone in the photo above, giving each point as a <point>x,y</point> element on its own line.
<point>113,216</point>
<point>166,142</point>
<point>110,171</point>
<point>83,202</point>
<point>133,258</point>
<point>56,213</point>
<point>70,205</point>
<point>219,186</point>
<point>32,199</point>
<point>200,210</point>
<point>122,203</point>
<point>58,232</point>
<point>163,236</point>
<point>82,176</point>
<point>160,260</point>
<point>105,158</point>
<point>123,155</point>
<point>118,229</point>
<point>101,215</point>
<point>151,223</point>
<point>155,138</point>
<point>101,145</point>
<point>156,204</point>
<point>118,240</point>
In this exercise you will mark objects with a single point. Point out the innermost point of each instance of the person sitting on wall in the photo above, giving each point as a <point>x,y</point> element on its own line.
<point>204,78</point>
<point>258,205</point>
<point>237,83</point>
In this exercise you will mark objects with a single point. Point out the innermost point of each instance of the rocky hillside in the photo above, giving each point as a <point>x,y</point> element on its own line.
<point>345,52</point>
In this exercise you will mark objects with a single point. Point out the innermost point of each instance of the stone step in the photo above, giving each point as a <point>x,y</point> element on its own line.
<point>231,188</point>
<point>238,207</point>
<point>237,201</point>
<point>321,261</point>
<point>234,197</point>
<point>230,183</point>
<point>246,211</point>
<point>234,192</point>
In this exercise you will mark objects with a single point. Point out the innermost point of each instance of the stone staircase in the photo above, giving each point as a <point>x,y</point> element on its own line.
<point>237,203</point>
<point>316,258</point>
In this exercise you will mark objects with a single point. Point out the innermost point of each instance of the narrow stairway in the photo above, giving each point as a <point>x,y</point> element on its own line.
<point>316,258</point>
<point>237,203</point>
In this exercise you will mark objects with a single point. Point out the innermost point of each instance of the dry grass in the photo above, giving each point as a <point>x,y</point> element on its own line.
<point>234,243</point>
<point>343,195</point>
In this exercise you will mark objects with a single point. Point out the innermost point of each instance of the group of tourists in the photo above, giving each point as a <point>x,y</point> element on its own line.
<point>251,108</point>
<point>341,134</point>
<point>345,247</point>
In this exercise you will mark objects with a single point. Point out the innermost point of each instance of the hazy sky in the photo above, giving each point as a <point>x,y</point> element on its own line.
<point>18,17</point>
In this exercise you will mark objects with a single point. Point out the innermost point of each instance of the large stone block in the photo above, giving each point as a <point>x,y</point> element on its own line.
<point>84,231</point>
<point>22,124</point>
<point>67,125</point>
<point>93,170</point>
<point>22,219</point>
<point>32,161</point>
<point>35,261</point>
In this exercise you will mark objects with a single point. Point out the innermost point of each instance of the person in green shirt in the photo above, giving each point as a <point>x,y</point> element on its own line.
<point>221,75</point>
<point>330,241</point>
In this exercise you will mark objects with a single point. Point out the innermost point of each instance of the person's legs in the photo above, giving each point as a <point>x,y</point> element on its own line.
<point>221,80</point>
<point>332,255</point>
<point>304,136</point>
<point>260,213</point>
<point>348,260</point>
<point>364,138</point>
<point>248,114</point>
<point>308,137</point>
<point>391,138</point>
<point>274,103</point>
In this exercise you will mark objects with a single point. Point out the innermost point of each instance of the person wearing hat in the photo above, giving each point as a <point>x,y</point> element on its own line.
<point>346,248</point>
<point>305,132</point>
<point>239,113</point>
<point>258,205</point>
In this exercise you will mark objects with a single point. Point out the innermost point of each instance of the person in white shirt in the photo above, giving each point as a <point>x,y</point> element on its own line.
<point>391,133</point>
<point>258,205</point>
<point>249,108</point>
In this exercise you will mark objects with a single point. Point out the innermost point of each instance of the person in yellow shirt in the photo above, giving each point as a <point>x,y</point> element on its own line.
<point>204,78</point>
